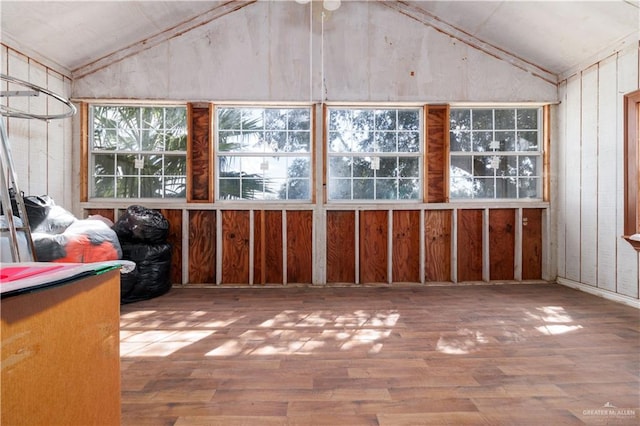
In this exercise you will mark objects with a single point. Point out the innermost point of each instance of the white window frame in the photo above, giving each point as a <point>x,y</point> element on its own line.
<point>500,155</point>
<point>266,154</point>
<point>92,152</point>
<point>375,156</point>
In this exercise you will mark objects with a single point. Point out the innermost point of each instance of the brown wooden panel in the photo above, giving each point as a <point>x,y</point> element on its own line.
<point>374,231</point>
<point>299,246</point>
<point>437,245</point>
<point>531,244</point>
<point>199,156</point>
<point>202,247</point>
<point>502,240</point>
<point>267,247</point>
<point>406,246</point>
<point>108,213</point>
<point>174,217</point>
<point>341,240</point>
<point>235,247</point>
<point>469,245</point>
<point>437,153</point>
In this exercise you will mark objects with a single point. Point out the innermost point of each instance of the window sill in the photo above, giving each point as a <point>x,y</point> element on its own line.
<point>634,243</point>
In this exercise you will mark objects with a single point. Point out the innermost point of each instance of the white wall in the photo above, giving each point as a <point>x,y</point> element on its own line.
<point>591,254</point>
<point>41,151</point>
<point>275,51</point>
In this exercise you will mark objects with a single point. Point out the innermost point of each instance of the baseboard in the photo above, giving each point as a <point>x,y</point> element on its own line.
<point>606,294</point>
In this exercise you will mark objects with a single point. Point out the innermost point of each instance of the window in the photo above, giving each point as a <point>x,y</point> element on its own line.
<point>496,153</point>
<point>263,153</point>
<point>374,153</point>
<point>138,151</point>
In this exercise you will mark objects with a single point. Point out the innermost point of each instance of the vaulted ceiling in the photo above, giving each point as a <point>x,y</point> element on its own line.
<point>556,36</point>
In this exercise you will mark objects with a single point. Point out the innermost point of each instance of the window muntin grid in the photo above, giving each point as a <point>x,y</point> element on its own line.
<point>374,154</point>
<point>138,151</point>
<point>263,153</point>
<point>496,153</point>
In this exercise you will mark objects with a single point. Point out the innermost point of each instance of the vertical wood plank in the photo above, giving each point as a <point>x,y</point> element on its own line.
<point>235,247</point>
<point>573,167</point>
<point>469,245</point>
<point>437,245</point>
<point>437,152</point>
<point>174,217</point>
<point>38,150</point>
<point>341,239</point>
<point>406,246</point>
<point>607,171</point>
<point>531,244</point>
<point>299,246</point>
<point>502,226</point>
<point>589,177</point>
<point>628,261</point>
<point>373,246</point>
<point>202,246</point>
<point>199,155</point>
<point>267,247</point>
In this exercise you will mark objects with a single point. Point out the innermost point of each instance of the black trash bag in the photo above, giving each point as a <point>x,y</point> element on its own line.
<point>37,207</point>
<point>128,281</point>
<point>142,225</point>
<point>153,262</point>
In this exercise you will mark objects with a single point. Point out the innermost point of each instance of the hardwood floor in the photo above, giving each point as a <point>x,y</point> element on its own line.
<point>466,355</point>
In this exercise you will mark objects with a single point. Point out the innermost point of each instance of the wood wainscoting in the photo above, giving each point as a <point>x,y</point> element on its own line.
<point>347,245</point>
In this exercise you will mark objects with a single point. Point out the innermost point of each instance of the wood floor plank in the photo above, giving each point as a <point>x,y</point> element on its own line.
<point>451,355</point>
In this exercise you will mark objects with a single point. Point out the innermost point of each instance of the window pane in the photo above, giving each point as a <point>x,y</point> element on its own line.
<point>505,119</point>
<point>150,187</point>
<point>460,119</point>
<point>482,165</point>
<point>127,187</point>
<point>528,166</point>
<point>408,119</point>
<point>409,167</point>
<point>506,188</point>
<point>482,119</point>
<point>527,118</point>
<point>527,141</point>
<point>529,187</point>
<point>363,189</point>
<point>409,142</point>
<point>175,165</point>
<point>483,188</point>
<point>104,164</point>
<point>298,167</point>
<point>508,166</point>
<point>386,120</point>
<point>298,142</point>
<point>460,141</point>
<point>386,141</point>
<point>388,167</point>
<point>340,189</point>
<point>105,139</point>
<point>386,189</point>
<point>481,141</point>
<point>126,164</point>
<point>104,186</point>
<point>175,186</point>
<point>339,167</point>
<point>152,164</point>
<point>408,189</point>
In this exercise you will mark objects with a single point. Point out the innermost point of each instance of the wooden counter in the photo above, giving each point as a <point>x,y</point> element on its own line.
<point>61,354</point>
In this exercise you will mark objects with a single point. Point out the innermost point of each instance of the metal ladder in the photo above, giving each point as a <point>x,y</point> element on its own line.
<point>9,187</point>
